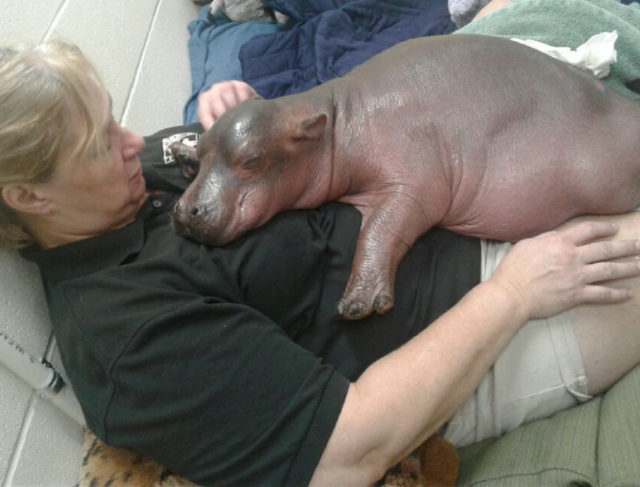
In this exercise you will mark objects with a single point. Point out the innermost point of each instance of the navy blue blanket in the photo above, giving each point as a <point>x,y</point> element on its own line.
<point>325,39</point>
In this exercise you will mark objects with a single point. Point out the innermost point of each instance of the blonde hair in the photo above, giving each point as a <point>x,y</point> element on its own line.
<point>41,88</point>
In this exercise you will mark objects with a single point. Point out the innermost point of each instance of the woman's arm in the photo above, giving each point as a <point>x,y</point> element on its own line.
<point>408,395</point>
<point>491,7</point>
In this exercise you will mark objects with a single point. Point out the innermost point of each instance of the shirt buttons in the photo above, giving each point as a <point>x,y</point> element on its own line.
<point>156,204</point>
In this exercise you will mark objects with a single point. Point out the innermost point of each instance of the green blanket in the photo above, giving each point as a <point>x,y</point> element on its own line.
<point>570,23</point>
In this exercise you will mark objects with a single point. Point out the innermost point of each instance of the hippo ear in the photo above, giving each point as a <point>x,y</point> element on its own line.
<point>310,128</point>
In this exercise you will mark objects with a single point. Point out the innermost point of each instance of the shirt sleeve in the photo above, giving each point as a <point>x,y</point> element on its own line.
<point>242,403</point>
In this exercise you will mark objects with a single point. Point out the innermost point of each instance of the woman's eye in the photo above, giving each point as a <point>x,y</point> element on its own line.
<point>105,149</point>
<point>106,143</point>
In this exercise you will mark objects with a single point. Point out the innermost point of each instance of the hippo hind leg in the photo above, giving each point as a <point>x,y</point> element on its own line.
<point>386,236</point>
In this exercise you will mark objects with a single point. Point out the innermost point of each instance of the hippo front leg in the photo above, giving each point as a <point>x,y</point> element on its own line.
<point>186,156</point>
<point>386,236</point>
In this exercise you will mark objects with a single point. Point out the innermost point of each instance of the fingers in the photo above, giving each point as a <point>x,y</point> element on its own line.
<point>607,271</point>
<point>211,105</point>
<point>561,269</point>
<point>605,295</point>
<point>220,98</point>
<point>229,99</point>
<point>597,271</point>
<point>585,232</point>
<point>205,115</point>
<point>608,250</point>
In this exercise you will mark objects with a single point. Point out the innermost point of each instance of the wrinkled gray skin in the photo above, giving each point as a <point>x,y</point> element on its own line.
<point>479,135</point>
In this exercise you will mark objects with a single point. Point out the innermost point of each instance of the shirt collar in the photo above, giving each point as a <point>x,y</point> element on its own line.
<point>102,251</point>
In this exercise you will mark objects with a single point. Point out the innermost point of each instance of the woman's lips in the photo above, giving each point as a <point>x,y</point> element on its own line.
<point>136,175</point>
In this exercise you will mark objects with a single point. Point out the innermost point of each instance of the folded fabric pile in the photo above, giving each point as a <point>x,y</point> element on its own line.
<point>323,39</point>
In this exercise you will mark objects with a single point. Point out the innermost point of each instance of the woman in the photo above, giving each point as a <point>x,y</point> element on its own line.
<point>227,365</point>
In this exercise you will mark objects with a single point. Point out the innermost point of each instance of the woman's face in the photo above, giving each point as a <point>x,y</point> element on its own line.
<point>101,193</point>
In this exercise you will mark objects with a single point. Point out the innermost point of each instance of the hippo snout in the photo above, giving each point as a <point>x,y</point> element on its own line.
<point>190,220</point>
<point>202,222</point>
<point>184,212</point>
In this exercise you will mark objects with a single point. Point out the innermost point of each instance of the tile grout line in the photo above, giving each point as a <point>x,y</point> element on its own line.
<point>20,441</point>
<point>55,20</point>
<point>136,78</point>
<point>12,465</point>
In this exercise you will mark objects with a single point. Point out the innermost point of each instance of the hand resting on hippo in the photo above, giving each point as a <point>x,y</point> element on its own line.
<point>479,135</point>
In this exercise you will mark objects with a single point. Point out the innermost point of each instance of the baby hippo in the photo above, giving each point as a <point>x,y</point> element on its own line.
<point>479,135</point>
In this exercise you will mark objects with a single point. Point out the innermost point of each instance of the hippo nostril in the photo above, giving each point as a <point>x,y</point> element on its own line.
<point>195,212</point>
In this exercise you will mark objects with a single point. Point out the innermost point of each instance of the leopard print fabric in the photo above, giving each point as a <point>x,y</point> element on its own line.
<point>434,464</point>
<point>105,466</point>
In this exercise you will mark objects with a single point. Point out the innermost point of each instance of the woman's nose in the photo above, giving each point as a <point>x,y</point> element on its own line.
<point>134,144</point>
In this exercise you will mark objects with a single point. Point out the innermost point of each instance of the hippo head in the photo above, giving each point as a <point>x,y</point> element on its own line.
<point>258,159</point>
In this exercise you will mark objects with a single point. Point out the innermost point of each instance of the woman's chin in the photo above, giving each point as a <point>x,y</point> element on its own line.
<point>139,191</point>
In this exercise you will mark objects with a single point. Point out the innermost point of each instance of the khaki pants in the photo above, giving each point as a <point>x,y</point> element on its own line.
<point>540,373</point>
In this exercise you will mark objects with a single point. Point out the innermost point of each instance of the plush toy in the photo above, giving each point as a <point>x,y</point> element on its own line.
<point>463,11</point>
<point>244,10</point>
<point>434,464</point>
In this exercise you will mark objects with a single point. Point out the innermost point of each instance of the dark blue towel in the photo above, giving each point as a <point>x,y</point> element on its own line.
<point>325,39</point>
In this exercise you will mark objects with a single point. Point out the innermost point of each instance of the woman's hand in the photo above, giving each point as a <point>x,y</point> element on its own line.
<point>220,98</point>
<point>562,269</point>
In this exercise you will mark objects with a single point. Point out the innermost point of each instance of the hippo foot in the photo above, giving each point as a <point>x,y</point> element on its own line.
<point>357,309</point>
<point>382,304</point>
<point>352,310</point>
<point>186,157</point>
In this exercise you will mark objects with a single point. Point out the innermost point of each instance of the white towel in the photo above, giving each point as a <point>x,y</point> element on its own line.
<point>595,56</point>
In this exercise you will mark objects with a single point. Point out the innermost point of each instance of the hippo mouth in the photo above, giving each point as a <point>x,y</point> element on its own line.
<point>204,232</point>
<point>213,226</point>
<point>185,230</point>
<point>217,224</point>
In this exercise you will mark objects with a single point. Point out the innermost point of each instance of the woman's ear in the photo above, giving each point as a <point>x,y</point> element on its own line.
<point>25,198</point>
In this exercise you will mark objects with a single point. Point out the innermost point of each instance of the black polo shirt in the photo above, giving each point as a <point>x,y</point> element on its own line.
<point>227,365</point>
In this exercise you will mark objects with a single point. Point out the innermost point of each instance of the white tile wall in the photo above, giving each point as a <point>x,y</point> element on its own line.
<point>140,47</point>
